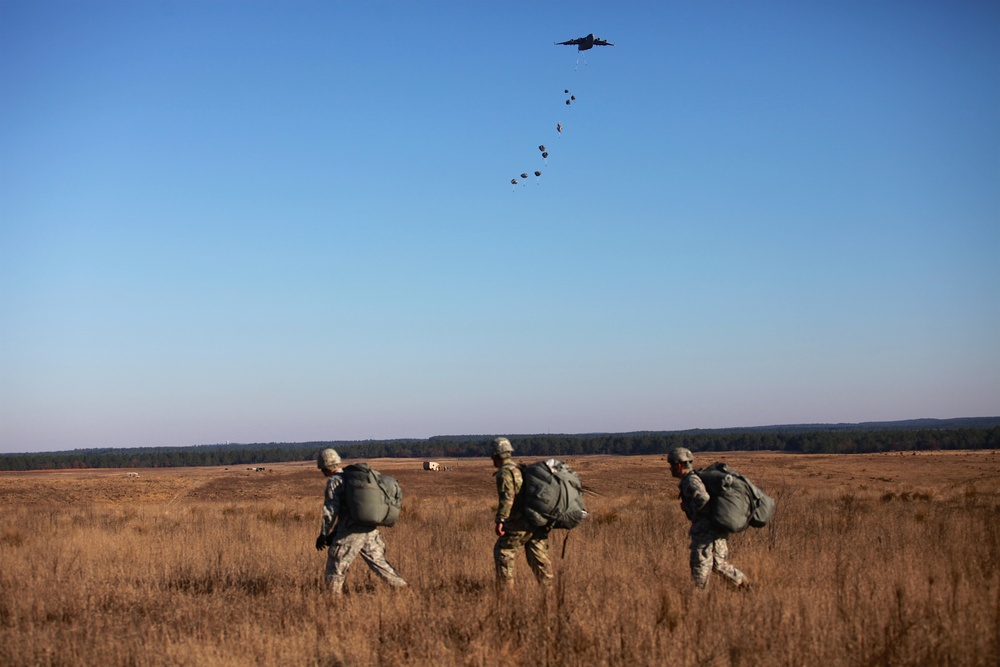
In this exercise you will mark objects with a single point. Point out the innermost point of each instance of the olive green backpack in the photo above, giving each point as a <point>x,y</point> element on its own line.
<point>372,498</point>
<point>736,502</point>
<point>551,495</point>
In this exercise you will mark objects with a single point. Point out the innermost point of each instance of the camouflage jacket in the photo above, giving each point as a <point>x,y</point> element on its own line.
<point>334,505</point>
<point>509,482</point>
<point>694,497</point>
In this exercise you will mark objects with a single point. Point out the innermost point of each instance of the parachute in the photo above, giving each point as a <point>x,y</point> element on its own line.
<point>736,501</point>
<point>552,495</point>
<point>372,499</point>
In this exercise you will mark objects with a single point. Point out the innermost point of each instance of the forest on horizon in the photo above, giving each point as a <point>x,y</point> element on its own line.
<point>914,435</point>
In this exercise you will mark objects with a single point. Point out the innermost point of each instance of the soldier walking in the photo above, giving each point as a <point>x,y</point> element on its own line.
<point>344,538</point>
<point>709,548</point>
<point>513,533</point>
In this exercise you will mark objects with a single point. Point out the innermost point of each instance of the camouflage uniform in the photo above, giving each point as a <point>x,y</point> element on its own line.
<point>348,540</point>
<point>517,534</point>
<point>709,548</point>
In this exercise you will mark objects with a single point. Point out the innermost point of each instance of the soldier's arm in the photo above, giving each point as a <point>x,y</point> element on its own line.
<point>505,494</point>
<point>331,504</point>
<point>694,495</point>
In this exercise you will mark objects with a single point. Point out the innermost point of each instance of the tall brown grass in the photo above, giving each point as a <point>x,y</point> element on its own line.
<point>891,569</point>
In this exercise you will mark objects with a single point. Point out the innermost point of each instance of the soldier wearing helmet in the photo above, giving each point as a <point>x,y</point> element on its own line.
<point>344,539</point>
<point>709,548</point>
<point>513,534</point>
<point>680,455</point>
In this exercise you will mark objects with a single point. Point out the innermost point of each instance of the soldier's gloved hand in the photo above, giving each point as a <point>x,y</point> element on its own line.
<point>321,543</point>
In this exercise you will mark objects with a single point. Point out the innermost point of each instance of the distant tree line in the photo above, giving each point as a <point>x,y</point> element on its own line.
<point>796,439</point>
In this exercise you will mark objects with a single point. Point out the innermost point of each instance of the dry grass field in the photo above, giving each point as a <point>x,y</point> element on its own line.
<point>883,559</point>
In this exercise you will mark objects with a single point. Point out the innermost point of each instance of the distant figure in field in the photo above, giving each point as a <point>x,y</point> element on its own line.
<point>513,533</point>
<point>344,537</point>
<point>709,548</point>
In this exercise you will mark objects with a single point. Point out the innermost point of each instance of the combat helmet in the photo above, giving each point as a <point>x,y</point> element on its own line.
<point>502,448</point>
<point>328,459</point>
<point>680,455</point>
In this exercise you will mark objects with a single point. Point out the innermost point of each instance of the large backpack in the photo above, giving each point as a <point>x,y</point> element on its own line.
<point>736,502</point>
<point>551,495</point>
<point>372,498</point>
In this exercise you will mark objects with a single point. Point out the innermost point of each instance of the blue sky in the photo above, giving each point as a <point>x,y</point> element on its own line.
<point>289,221</point>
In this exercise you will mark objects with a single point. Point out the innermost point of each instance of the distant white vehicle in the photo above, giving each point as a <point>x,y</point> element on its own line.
<point>431,465</point>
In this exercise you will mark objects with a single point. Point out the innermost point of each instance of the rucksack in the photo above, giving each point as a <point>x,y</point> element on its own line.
<point>372,498</point>
<point>551,495</point>
<point>736,502</point>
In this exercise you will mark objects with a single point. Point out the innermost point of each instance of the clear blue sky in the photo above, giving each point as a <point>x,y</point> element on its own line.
<point>288,221</point>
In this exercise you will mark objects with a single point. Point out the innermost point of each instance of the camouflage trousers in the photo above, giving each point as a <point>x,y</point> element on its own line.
<point>536,549</point>
<point>347,546</point>
<point>709,551</point>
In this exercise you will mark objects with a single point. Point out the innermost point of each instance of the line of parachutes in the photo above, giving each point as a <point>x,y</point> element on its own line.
<point>582,44</point>
<point>542,148</point>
